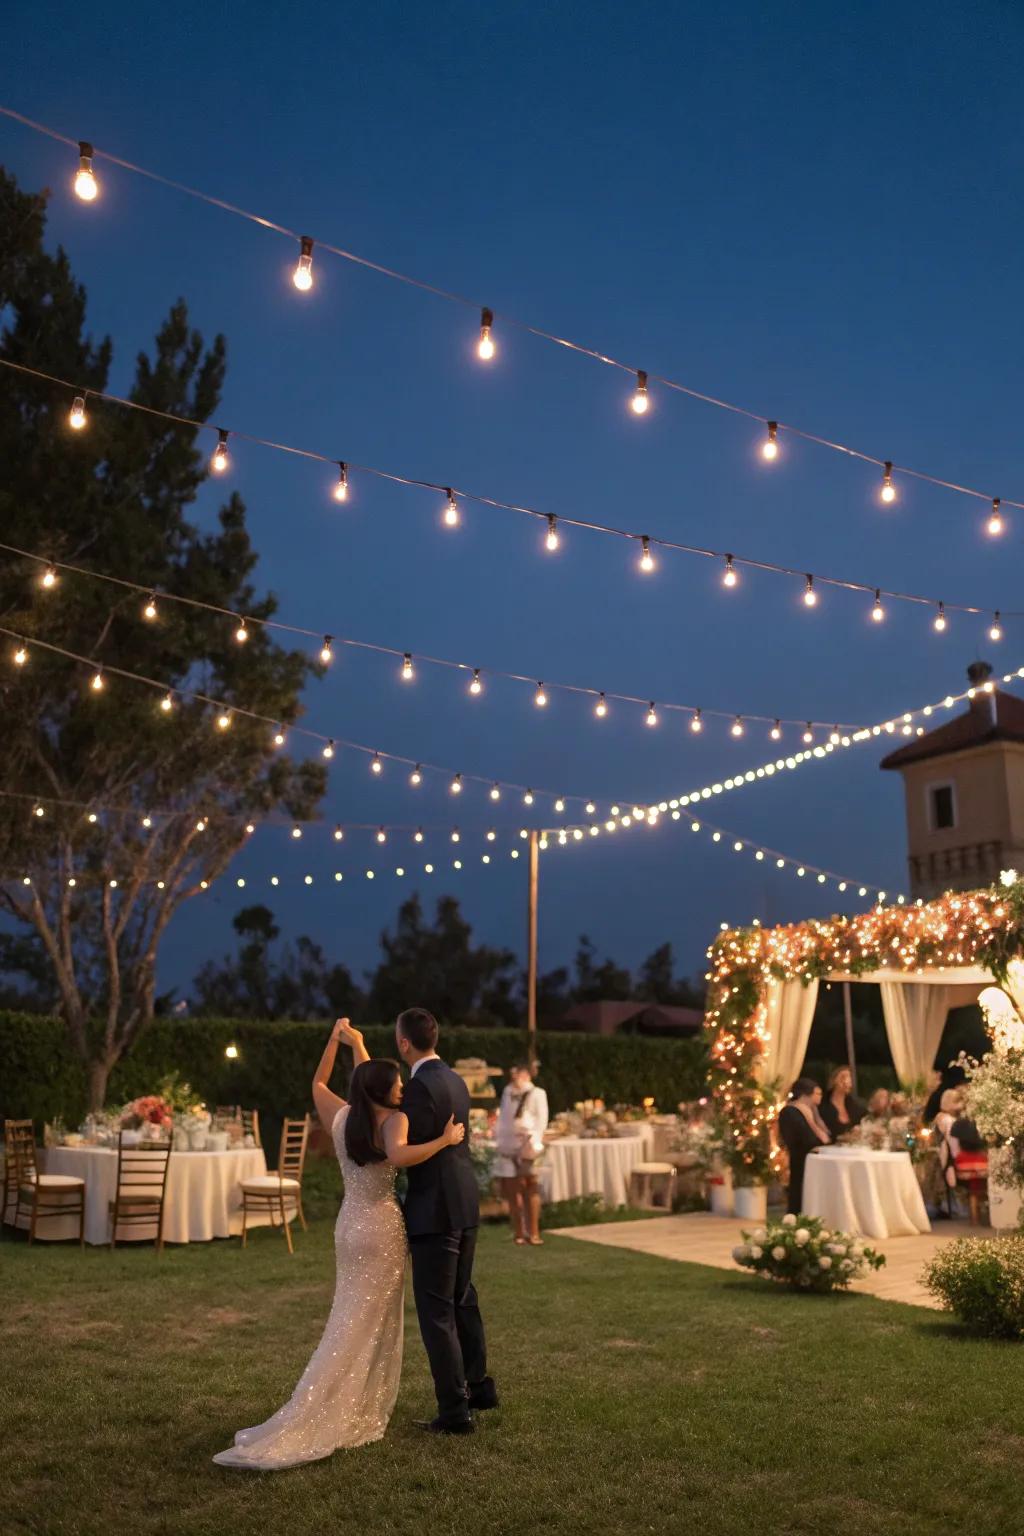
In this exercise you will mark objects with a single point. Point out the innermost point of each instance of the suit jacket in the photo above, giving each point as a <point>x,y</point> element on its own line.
<point>443,1195</point>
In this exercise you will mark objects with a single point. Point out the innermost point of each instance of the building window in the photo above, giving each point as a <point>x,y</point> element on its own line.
<point>941,807</point>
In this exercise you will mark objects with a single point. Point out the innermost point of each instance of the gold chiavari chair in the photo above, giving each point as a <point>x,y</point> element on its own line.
<point>141,1187</point>
<point>280,1193</point>
<point>39,1196</point>
<point>10,1171</point>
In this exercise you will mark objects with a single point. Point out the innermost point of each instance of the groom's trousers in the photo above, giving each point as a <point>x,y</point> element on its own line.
<point>449,1315</point>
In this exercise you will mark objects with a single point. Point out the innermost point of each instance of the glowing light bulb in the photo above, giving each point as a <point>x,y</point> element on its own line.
<point>279,737</point>
<point>878,612</point>
<point>376,766</point>
<point>810,596</point>
<point>382,836</point>
<point>451,511</point>
<point>224,721</point>
<point>76,415</point>
<point>559,805</point>
<point>296,833</point>
<point>416,777</point>
<point>888,491</point>
<point>302,277</point>
<point>485,346</point>
<point>417,836</point>
<point>242,632</point>
<point>940,619</point>
<point>552,540</point>
<point>776,731</point>
<point>49,578</point>
<point>601,707</point>
<point>994,526</point>
<point>456,784</point>
<point>528,797</point>
<point>326,650</point>
<point>640,402</point>
<point>97,683</point>
<point>407,671</point>
<point>149,611</point>
<point>646,558</point>
<point>340,492</point>
<point>20,656</point>
<point>339,834</point>
<point>770,447</point>
<point>996,629</point>
<point>590,808</point>
<point>540,698</point>
<point>495,792</point>
<point>167,703</point>
<point>737,726</point>
<point>476,686</point>
<point>86,185</point>
<point>220,459</point>
<point>329,750</point>
<point>456,835</point>
<point>729,576</point>
<point>696,723</point>
<point>38,810</point>
<point>808,735</point>
<point>651,718</point>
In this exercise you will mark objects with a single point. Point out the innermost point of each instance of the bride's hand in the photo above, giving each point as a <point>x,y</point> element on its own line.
<point>453,1133</point>
<point>344,1032</point>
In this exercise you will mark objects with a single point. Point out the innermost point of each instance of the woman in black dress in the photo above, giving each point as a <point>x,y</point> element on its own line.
<point>800,1135</point>
<point>840,1110</point>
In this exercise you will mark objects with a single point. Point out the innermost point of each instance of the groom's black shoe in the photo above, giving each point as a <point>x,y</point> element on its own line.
<point>483,1395</point>
<point>446,1426</point>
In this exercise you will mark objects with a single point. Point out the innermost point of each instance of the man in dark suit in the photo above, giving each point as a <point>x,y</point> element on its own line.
<point>442,1214</point>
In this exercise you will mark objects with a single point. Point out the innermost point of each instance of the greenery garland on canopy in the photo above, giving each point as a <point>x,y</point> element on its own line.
<point>969,928</point>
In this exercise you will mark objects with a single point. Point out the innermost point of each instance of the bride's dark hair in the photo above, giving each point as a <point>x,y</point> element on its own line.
<point>372,1083</point>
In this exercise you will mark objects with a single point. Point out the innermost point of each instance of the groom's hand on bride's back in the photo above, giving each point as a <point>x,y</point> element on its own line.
<point>454,1132</point>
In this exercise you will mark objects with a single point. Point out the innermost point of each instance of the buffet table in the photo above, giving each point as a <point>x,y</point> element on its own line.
<point>856,1190</point>
<point>203,1198</point>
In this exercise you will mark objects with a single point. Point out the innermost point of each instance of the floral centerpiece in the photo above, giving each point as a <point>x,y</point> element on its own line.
<point>168,1107</point>
<point>800,1251</point>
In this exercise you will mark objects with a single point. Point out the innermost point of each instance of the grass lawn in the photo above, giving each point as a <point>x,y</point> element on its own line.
<point>639,1396</point>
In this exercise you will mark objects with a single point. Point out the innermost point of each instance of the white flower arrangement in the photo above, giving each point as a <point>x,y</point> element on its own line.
<point>801,1252</point>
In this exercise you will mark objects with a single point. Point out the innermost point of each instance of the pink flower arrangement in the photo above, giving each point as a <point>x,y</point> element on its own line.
<point>151,1109</point>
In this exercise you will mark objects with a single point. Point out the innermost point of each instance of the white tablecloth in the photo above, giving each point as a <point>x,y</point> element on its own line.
<point>203,1197</point>
<point>594,1166</point>
<point>875,1194</point>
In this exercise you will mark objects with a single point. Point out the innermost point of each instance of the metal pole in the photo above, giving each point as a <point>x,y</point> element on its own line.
<point>848,1015</point>
<point>531,951</point>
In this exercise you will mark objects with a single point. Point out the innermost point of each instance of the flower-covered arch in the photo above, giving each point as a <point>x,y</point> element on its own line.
<point>977,935</point>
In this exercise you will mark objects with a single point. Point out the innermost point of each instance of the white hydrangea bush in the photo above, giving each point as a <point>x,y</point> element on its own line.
<point>802,1252</point>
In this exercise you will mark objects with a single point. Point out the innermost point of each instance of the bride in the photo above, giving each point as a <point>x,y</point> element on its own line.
<point>347,1392</point>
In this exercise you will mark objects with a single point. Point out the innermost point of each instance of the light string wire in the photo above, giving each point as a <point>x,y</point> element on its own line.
<point>646,541</point>
<point>330,640</point>
<point>539,332</point>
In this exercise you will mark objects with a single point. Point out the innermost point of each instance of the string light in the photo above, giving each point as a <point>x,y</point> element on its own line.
<point>729,576</point>
<point>20,656</point>
<point>328,750</point>
<point>810,596</point>
<point>149,611</point>
<point>407,670</point>
<point>601,707</point>
<point>376,766</point>
<point>49,578</point>
<point>651,718</point>
<point>326,652</point>
<point>341,484</point>
<point>416,777</point>
<point>451,511</point>
<point>382,836</point>
<point>221,458</point>
<point>456,784</point>
<point>878,612</point>
<point>888,491</point>
<point>696,722</point>
<point>339,835</point>
<point>646,558</point>
<point>76,415</point>
<point>559,805</point>
<point>86,185</point>
<point>279,737</point>
<point>495,792</point>
<point>552,540</point>
<point>540,698</point>
<point>302,277</point>
<point>808,736</point>
<point>994,526</point>
<point>640,401</point>
<point>737,726</point>
<point>485,346</point>
<point>996,628</point>
<point>776,732</point>
<point>242,632</point>
<point>224,720</point>
<point>476,686</point>
<point>770,446</point>
<point>97,683</point>
<point>940,619</point>
<point>167,703</point>
<point>528,797</point>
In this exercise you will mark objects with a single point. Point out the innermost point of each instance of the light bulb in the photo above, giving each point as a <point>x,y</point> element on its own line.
<point>646,558</point>
<point>38,810</point>
<point>167,703</point>
<point>451,511</point>
<point>242,632</point>
<point>476,686</point>
<point>994,526</point>
<point>250,828</point>
<point>416,777</point>
<point>996,630</point>
<point>326,651</point>
<point>20,656</point>
<point>86,185</point>
<point>540,698</point>
<point>640,402</point>
<point>279,737</point>
<point>220,459</point>
<point>491,835</point>
<point>296,833</point>
<point>808,735</point>
<point>559,805</point>
<point>329,750</point>
<point>97,684</point>
<point>495,792</point>
<point>770,447</point>
<point>340,492</point>
<point>76,415</point>
<point>302,277</point>
<point>940,619</point>
<point>456,835</point>
<point>149,611</point>
<point>552,536</point>
<point>528,797</point>
<point>485,346</point>
<point>407,672</point>
<point>888,491</point>
<point>729,576</point>
<point>651,718</point>
<point>339,834</point>
<point>376,766</point>
<point>810,596</point>
<point>382,836</point>
<point>776,731</point>
<point>200,826</point>
<point>456,784</point>
<point>49,578</point>
<point>601,707</point>
<point>417,836</point>
<point>878,612</point>
<point>224,721</point>
<point>737,726</point>
<point>696,723</point>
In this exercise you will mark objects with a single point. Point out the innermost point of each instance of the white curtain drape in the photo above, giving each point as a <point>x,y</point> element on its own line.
<point>915,1014</point>
<point>790,1007</point>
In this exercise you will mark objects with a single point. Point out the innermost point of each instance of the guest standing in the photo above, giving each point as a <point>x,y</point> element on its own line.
<point>840,1110</point>
<point>522,1121</point>
<point>801,1134</point>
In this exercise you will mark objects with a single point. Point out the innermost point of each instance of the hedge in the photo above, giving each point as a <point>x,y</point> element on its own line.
<point>40,1079</point>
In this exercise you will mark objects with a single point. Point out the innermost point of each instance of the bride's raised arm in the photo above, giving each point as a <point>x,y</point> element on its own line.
<point>328,1103</point>
<point>396,1141</point>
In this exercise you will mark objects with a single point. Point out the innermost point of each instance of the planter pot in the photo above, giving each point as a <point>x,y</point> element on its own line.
<point>1004,1205</point>
<point>720,1191</point>
<point>750,1202</point>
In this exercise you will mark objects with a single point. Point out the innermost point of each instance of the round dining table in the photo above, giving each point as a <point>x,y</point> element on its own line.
<point>203,1198</point>
<point>858,1190</point>
<point>594,1165</point>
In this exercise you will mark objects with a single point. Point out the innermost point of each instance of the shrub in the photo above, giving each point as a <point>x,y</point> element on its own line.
<point>587,1211</point>
<point>802,1252</point>
<point>982,1282</point>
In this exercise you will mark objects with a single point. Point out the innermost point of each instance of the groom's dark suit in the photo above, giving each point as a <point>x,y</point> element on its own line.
<point>442,1213</point>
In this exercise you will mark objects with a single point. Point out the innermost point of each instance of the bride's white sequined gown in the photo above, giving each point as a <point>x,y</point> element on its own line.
<point>348,1390</point>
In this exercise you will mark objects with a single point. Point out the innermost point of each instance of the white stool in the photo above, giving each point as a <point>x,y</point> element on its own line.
<point>652,1186</point>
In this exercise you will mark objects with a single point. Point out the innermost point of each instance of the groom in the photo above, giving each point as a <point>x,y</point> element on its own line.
<point>442,1213</point>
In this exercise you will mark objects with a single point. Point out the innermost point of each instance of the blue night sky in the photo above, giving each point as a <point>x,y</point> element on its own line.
<point>813,211</point>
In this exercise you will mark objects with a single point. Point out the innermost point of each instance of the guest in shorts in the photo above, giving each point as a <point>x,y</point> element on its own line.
<point>801,1133</point>
<point>522,1121</point>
